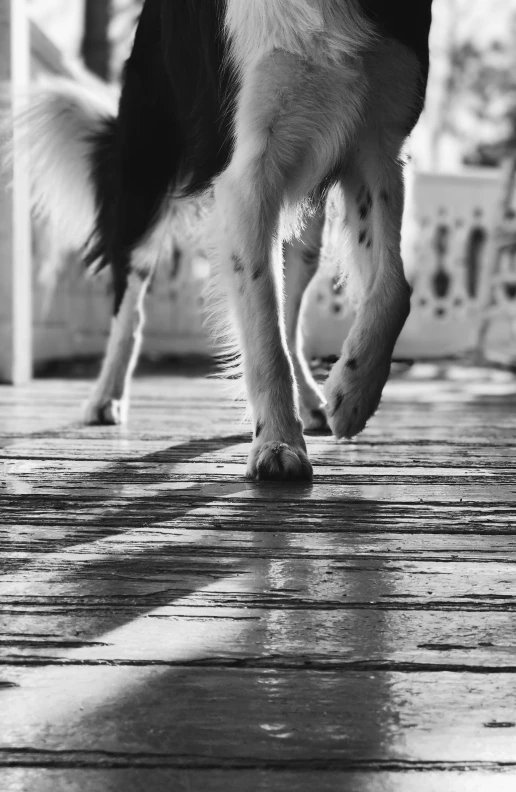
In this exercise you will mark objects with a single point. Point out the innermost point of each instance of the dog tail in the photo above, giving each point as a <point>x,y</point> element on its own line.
<point>69,130</point>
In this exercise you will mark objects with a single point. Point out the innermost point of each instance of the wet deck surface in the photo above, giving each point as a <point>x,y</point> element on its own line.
<point>166,625</point>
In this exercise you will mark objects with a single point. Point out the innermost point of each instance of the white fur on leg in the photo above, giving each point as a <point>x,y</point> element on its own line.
<point>278,451</point>
<point>373,210</point>
<point>294,118</point>
<point>109,402</point>
<point>301,261</point>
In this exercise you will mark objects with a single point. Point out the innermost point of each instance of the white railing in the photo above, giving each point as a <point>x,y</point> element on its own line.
<point>446,251</point>
<point>34,323</point>
<point>15,231</point>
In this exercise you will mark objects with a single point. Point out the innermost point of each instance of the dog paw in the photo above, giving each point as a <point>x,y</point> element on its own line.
<point>105,413</point>
<point>346,414</point>
<point>351,404</point>
<point>276,461</point>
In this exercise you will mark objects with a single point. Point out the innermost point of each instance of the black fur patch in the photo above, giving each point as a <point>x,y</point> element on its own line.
<point>338,405</point>
<point>257,273</point>
<point>176,262</point>
<point>352,363</point>
<point>365,205</point>
<point>361,237</point>
<point>258,430</point>
<point>238,266</point>
<point>408,21</point>
<point>172,134</point>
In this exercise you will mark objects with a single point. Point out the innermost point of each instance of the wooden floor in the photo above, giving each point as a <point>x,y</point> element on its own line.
<point>167,625</point>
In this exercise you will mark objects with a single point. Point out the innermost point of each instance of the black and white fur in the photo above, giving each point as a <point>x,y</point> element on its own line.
<point>270,103</point>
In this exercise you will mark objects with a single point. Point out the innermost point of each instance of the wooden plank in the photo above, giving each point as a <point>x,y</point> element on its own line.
<point>197,483</point>
<point>252,719</point>
<point>119,445</point>
<point>211,535</point>
<point>322,780</point>
<point>36,469</point>
<point>194,422</point>
<point>331,637</point>
<point>164,394</point>
<point>181,509</point>
<point>38,474</point>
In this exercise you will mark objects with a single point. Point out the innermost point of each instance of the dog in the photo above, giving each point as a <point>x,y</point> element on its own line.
<point>268,104</point>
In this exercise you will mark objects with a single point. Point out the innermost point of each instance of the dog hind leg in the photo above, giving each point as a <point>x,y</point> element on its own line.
<point>301,261</point>
<point>109,401</point>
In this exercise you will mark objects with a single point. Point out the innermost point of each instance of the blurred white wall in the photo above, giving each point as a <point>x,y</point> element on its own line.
<point>61,20</point>
<point>480,22</point>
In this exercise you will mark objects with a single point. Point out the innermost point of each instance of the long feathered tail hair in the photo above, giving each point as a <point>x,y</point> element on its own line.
<point>65,125</point>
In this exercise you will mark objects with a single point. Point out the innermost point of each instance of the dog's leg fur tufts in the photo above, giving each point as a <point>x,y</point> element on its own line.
<point>301,260</point>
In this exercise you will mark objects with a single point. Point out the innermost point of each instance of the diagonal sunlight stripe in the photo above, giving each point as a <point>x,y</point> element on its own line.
<point>54,700</point>
<point>124,538</point>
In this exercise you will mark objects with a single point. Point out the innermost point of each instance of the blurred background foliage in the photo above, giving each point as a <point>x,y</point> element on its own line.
<point>470,116</point>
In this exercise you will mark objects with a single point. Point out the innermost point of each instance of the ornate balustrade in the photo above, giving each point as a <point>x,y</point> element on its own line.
<point>446,243</point>
<point>448,228</point>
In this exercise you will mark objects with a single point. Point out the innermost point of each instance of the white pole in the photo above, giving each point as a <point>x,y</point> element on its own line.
<point>15,219</point>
